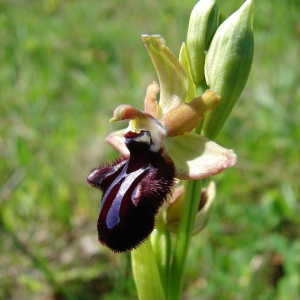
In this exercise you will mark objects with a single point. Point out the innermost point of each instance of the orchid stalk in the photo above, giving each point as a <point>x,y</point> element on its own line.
<point>155,188</point>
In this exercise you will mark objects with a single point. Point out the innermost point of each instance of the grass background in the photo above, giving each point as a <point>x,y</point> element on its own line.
<point>64,67</point>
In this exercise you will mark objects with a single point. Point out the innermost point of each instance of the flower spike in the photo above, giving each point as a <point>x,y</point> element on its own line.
<point>158,147</point>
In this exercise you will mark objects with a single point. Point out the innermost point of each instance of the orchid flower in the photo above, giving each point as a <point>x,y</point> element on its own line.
<point>159,147</point>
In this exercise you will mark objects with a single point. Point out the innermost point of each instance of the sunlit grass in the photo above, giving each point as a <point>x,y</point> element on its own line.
<point>65,65</point>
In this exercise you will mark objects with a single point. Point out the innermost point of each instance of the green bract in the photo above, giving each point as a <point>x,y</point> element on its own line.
<point>228,64</point>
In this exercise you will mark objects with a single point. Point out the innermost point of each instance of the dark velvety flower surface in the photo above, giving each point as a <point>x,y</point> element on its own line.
<point>133,189</point>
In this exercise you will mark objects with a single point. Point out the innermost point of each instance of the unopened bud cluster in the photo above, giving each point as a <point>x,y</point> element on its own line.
<point>225,66</point>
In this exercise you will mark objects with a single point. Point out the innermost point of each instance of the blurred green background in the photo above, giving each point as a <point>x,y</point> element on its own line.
<point>64,67</point>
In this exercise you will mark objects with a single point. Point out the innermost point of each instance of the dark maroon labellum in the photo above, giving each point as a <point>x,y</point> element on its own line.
<point>134,188</point>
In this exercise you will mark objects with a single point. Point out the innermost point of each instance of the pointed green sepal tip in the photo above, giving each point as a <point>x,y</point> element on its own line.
<point>228,64</point>
<point>202,27</point>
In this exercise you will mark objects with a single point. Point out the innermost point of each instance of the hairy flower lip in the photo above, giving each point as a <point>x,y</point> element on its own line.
<point>134,188</point>
<point>94,179</point>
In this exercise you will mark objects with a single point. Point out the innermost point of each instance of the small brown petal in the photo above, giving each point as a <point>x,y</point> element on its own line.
<point>150,102</point>
<point>126,112</point>
<point>186,116</point>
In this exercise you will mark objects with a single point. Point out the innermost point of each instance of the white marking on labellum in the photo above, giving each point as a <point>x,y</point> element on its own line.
<point>113,214</point>
<point>143,137</point>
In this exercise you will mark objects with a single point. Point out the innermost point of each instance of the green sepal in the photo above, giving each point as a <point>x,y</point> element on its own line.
<point>172,77</point>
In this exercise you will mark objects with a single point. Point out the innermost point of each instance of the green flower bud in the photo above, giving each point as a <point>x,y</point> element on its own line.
<point>175,208</point>
<point>212,26</point>
<point>228,64</point>
<point>207,198</point>
<point>202,26</point>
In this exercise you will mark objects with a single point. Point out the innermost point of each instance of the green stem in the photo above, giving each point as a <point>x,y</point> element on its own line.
<point>161,243</point>
<point>146,273</point>
<point>190,208</point>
